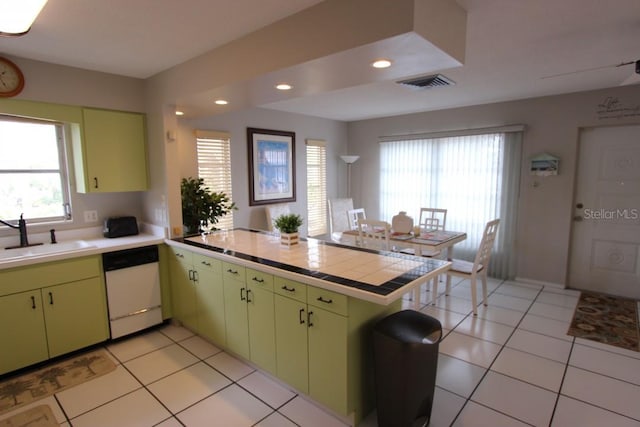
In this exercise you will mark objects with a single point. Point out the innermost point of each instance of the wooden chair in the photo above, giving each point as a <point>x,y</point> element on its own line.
<point>338,219</point>
<point>471,270</point>
<point>373,234</point>
<point>355,215</point>
<point>274,211</point>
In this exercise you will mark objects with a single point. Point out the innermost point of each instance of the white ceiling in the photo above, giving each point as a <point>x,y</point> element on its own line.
<point>511,46</point>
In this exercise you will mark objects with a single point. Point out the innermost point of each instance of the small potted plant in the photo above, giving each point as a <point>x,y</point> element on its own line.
<point>201,207</point>
<point>288,225</point>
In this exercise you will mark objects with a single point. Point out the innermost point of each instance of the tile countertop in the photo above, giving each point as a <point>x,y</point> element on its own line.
<point>96,245</point>
<point>378,277</point>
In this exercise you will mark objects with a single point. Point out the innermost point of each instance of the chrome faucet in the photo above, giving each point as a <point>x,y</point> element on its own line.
<point>22,227</point>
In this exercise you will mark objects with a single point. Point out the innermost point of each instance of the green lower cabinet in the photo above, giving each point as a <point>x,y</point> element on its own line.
<point>262,333</point>
<point>183,294</point>
<point>328,358</point>
<point>75,314</point>
<point>236,320</point>
<point>292,353</point>
<point>210,299</point>
<point>23,335</point>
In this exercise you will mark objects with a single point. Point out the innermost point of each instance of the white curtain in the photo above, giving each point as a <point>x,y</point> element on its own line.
<point>474,177</point>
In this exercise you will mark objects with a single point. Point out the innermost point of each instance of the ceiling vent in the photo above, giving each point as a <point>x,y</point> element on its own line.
<point>435,80</point>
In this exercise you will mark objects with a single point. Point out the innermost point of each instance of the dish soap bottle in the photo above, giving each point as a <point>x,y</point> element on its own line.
<point>402,223</point>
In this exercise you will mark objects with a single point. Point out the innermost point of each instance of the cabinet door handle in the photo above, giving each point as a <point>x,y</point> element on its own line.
<point>191,275</point>
<point>309,322</point>
<point>50,298</point>
<point>301,316</point>
<point>242,297</point>
<point>33,302</point>
<point>196,276</point>
<point>326,301</point>
<point>95,182</point>
<point>255,279</point>
<point>284,287</point>
<point>249,293</point>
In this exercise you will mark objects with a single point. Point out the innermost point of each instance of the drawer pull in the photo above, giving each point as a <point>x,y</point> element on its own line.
<point>207,263</point>
<point>255,279</point>
<point>326,301</point>
<point>232,271</point>
<point>284,287</point>
<point>33,302</point>
<point>301,316</point>
<point>309,322</point>
<point>179,255</point>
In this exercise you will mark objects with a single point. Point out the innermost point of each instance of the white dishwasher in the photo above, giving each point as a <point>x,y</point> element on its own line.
<point>133,289</point>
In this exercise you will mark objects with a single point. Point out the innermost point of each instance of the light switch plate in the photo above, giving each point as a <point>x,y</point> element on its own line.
<point>90,216</point>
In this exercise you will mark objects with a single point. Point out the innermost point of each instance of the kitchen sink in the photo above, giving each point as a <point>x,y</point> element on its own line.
<point>45,249</point>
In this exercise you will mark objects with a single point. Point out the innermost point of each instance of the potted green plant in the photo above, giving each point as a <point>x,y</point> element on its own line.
<point>288,225</point>
<point>201,207</point>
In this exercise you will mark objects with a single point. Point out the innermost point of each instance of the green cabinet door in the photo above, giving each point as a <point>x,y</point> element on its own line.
<point>23,336</point>
<point>328,380</point>
<point>183,294</point>
<point>235,314</point>
<point>210,296</point>
<point>113,152</point>
<point>291,342</point>
<point>75,314</point>
<point>262,334</point>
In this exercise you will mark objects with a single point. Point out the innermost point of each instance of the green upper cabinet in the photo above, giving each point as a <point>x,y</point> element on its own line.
<point>111,154</point>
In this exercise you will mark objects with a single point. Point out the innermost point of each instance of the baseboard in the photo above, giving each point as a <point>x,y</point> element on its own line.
<point>526,280</point>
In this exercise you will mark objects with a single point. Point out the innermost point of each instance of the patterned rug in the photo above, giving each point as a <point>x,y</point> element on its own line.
<point>38,416</point>
<point>32,386</point>
<point>606,319</point>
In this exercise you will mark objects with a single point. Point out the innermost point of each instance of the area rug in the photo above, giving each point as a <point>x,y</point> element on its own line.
<point>32,386</point>
<point>606,319</point>
<point>38,416</point>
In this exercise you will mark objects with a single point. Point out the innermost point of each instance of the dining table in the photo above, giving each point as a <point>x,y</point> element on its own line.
<point>427,241</point>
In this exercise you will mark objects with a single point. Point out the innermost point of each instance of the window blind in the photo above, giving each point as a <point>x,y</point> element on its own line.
<point>316,187</point>
<point>214,167</point>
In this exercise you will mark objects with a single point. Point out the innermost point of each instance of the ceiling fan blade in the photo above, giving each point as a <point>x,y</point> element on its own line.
<point>589,69</point>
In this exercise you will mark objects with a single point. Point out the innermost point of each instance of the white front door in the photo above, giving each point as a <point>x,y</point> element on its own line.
<point>605,238</point>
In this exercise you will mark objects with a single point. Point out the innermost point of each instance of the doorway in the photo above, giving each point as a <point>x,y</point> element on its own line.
<point>605,235</point>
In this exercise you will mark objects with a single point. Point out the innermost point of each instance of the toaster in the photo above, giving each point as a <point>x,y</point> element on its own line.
<point>120,226</point>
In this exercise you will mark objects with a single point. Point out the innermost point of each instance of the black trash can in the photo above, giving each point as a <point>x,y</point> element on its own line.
<point>406,359</point>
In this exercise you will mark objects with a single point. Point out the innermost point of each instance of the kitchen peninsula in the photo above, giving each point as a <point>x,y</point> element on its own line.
<point>302,313</point>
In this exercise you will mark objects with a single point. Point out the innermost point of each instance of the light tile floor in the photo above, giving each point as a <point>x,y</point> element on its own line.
<point>512,365</point>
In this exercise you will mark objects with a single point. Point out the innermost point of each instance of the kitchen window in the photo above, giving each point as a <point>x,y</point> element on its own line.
<point>316,187</point>
<point>214,167</point>
<point>33,172</point>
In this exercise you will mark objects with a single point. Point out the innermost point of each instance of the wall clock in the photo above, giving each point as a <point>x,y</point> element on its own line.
<point>11,78</point>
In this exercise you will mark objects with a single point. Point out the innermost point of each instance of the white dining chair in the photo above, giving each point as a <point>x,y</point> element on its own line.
<point>355,215</point>
<point>374,234</point>
<point>479,266</point>
<point>338,219</point>
<point>274,211</point>
<point>428,215</point>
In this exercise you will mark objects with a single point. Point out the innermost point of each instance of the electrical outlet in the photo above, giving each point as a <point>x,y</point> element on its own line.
<point>90,216</point>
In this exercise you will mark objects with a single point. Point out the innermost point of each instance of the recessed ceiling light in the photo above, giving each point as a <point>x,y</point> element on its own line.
<point>222,101</point>
<point>179,113</point>
<point>284,86</point>
<point>381,63</point>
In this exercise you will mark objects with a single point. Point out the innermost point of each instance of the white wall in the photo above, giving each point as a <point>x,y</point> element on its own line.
<point>552,125</point>
<point>305,127</point>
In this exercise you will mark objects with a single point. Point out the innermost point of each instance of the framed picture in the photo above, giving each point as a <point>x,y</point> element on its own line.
<point>272,167</point>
